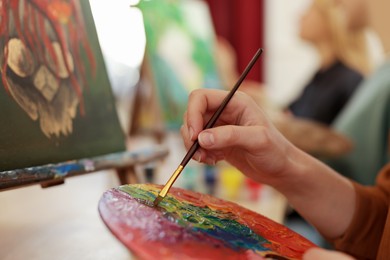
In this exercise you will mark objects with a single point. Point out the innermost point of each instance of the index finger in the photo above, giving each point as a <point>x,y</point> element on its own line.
<point>200,103</point>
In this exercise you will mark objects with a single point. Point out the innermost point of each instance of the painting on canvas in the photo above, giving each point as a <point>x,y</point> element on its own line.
<point>55,97</point>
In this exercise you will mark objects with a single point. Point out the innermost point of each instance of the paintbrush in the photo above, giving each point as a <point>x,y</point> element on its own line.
<point>209,124</point>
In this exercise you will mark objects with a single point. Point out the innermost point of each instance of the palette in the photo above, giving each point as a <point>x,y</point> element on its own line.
<point>188,224</point>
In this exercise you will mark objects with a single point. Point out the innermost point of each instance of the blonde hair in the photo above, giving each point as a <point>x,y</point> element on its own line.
<point>350,45</point>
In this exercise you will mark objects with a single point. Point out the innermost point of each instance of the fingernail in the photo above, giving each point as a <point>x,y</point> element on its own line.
<point>206,139</point>
<point>211,161</point>
<point>198,156</point>
<point>191,131</point>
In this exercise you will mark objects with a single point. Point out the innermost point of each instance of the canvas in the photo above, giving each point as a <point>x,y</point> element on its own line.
<point>191,225</point>
<point>55,97</point>
<point>179,53</point>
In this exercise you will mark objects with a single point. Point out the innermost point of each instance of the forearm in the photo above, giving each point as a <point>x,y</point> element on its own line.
<point>319,194</point>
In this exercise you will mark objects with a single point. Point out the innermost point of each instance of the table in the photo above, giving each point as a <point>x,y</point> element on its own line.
<point>60,222</point>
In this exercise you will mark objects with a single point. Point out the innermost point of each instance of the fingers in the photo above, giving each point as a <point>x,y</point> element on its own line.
<point>201,155</point>
<point>188,141</point>
<point>248,138</point>
<point>241,110</point>
<point>204,102</point>
<point>198,104</point>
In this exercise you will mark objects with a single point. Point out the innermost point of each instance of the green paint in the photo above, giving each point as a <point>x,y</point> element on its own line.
<point>220,225</point>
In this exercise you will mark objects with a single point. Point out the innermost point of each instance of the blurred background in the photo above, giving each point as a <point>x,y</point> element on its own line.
<point>286,65</point>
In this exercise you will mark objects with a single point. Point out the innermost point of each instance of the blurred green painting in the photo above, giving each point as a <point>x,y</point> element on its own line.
<point>179,52</point>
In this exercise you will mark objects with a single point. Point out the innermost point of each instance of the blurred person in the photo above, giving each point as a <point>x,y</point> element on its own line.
<point>344,60</point>
<point>366,119</point>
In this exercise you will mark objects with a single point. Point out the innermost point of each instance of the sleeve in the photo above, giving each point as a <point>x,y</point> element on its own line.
<point>363,236</point>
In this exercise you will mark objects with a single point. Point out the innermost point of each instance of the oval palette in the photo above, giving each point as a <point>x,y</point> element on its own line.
<point>191,225</point>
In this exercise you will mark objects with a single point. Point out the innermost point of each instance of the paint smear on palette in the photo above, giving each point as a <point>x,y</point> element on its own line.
<point>191,225</point>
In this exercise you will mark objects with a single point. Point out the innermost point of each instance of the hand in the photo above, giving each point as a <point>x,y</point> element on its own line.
<point>322,254</point>
<point>243,135</point>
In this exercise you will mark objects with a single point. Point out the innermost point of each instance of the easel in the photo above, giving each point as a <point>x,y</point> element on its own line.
<point>146,117</point>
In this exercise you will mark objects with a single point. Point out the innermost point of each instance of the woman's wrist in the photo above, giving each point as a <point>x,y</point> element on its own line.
<point>295,168</point>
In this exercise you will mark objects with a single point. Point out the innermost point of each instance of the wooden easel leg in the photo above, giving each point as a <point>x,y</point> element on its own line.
<point>127,175</point>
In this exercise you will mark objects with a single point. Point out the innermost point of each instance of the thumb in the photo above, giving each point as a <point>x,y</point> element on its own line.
<point>228,136</point>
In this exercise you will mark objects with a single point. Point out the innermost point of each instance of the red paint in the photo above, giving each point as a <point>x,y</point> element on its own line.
<point>149,233</point>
